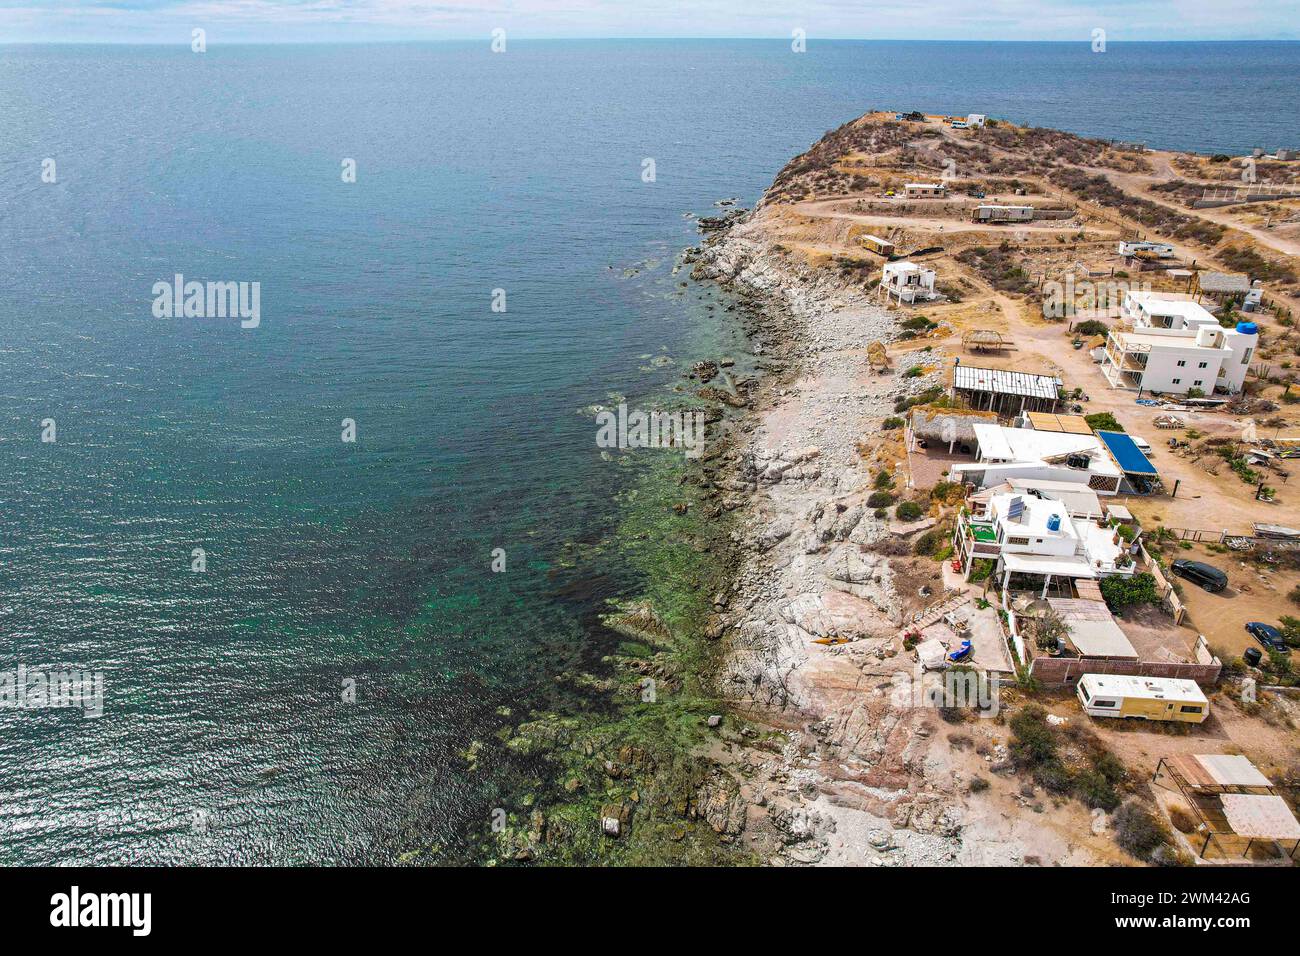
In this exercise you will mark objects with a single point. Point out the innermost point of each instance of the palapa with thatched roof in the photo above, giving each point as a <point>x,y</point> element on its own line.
<point>984,340</point>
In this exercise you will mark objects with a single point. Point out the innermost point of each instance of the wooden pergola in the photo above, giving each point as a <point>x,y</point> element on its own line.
<point>1230,798</point>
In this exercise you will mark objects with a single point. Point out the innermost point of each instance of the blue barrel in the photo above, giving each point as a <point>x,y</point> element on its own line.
<point>1247,328</point>
<point>1053,522</point>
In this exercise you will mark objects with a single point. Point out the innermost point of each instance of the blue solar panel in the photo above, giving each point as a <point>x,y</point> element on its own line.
<point>1127,454</point>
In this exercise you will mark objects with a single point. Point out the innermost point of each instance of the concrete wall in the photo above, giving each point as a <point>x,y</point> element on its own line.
<point>1162,368</point>
<point>1067,670</point>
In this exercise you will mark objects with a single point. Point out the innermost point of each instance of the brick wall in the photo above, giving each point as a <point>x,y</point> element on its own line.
<point>1067,670</point>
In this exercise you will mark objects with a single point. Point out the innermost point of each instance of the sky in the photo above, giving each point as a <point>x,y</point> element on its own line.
<point>171,21</point>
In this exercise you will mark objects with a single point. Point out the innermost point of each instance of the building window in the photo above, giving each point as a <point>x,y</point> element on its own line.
<point>1197,383</point>
<point>1182,362</point>
<point>1105,703</point>
<point>1245,356</point>
<point>1177,381</point>
<point>1017,541</point>
<point>1191,709</point>
<point>1203,365</point>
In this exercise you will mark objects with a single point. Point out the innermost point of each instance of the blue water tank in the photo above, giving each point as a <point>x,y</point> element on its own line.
<point>1247,328</point>
<point>1053,522</point>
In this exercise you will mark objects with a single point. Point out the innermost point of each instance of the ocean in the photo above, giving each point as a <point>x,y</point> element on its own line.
<point>308,695</point>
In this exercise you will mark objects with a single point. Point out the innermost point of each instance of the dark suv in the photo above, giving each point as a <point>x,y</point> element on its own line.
<point>1269,636</point>
<point>1198,572</point>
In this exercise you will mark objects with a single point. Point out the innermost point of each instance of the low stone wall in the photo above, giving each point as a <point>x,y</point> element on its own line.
<point>1067,670</point>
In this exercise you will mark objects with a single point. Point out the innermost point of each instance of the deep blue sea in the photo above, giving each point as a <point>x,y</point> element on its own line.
<point>225,738</point>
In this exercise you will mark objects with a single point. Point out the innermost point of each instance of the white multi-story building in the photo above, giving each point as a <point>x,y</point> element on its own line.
<point>1175,345</point>
<point>1037,537</point>
<point>908,282</point>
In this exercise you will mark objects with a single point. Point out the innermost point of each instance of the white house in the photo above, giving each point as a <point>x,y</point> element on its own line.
<point>1175,345</point>
<point>925,190</point>
<point>1036,537</point>
<point>1007,453</point>
<point>976,120</point>
<point>908,282</point>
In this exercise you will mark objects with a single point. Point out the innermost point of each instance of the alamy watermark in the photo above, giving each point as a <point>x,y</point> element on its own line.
<point>954,688</point>
<point>1065,299</point>
<point>653,429</point>
<point>27,688</point>
<point>208,300</point>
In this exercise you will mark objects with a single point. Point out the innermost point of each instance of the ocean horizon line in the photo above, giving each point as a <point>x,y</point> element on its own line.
<point>479,38</point>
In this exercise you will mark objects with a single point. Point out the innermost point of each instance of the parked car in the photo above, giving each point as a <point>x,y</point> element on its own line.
<point>1198,572</point>
<point>1269,636</point>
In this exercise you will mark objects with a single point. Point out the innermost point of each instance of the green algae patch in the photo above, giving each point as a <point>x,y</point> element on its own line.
<point>631,784</point>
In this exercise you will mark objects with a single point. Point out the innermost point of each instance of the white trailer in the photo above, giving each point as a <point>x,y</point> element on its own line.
<point>991,213</point>
<point>1144,698</point>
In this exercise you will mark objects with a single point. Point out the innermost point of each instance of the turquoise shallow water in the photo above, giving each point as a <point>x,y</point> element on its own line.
<point>371,561</point>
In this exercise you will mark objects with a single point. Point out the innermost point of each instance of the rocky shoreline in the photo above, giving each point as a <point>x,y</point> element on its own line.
<point>845,774</point>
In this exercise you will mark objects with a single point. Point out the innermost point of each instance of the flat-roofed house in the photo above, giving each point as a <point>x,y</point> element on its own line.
<point>1006,453</point>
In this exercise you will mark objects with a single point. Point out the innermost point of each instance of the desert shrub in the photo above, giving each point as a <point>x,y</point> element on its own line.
<point>1109,766</point>
<point>1094,790</point>
<point>908,511</point>
<point>883,480</point>
<point>1032,740</point>
<point>1092,327</point>
<point>880,499</point>
<point>891,423</point>
<point>1154,216</point>
<point>914,372</point>
<point>978,785</point>
<point>1053,777</point>
<point>1137,830</point>
<point>932,396</point>
<point>1182,819</point>
<point>1290,627</point>
<point>1247,260</point>
<point>947,491</point>
<point>981,569</point>
<point>998,267</point>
